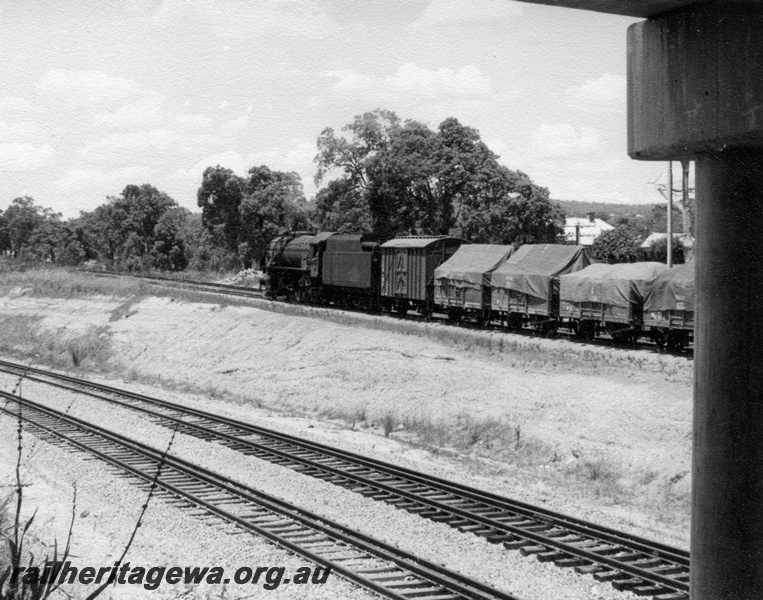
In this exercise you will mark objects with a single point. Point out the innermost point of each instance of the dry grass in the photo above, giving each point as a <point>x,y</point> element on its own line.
<point>499,444</point>
<point>89,350</point>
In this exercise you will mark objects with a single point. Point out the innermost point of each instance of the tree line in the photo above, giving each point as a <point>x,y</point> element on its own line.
<point>378,174</point>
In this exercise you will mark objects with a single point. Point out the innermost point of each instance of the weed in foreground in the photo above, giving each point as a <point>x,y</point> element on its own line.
<point>21,576</point>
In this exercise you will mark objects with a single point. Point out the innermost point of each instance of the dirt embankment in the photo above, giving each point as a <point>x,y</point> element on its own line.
<point>583,429</point>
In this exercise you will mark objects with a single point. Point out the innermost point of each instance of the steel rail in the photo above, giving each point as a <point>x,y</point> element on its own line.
<point>630,562</point>
<point>372,564</point>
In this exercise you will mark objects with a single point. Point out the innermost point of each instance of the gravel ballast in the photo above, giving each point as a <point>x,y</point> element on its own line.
<point>469,554</point>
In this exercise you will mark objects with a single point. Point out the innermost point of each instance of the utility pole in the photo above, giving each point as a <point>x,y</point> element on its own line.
<point>670,213</point>
<point>685,199</point>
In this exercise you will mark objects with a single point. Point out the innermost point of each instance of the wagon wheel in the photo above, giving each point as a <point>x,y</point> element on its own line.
<point>454,314</point>
<point>585,330</point>
<point>659,338</point>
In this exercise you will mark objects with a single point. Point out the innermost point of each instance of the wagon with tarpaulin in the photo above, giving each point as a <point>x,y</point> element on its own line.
<point>607,298</point>
<point>462,283</point>
<point>525,288</point>
<point>669,307</point>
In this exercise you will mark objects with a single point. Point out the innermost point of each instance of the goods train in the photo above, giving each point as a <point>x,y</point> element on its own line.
<point>539,286</point>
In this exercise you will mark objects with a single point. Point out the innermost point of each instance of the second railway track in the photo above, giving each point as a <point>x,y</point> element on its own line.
<point>631,563</point>
<point>370,563</point>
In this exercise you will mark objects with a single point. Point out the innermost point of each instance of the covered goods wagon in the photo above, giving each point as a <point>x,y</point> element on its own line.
<point>669,307</point>
<point>607,297</point>
<point>407,273</point>
<point>462,283</point>
<point>525,288</point>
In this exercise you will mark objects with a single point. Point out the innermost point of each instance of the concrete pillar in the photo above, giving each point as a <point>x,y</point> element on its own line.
<point>695,90</point>
<point>727,517</point>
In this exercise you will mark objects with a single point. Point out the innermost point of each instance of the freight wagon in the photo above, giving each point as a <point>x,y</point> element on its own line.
<point>462,283</point>
<point>607,298</point>
<point>669,307</point>
<point>407,273</point>
<point>525,289</point>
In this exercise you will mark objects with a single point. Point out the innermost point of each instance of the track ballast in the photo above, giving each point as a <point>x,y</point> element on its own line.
<point>368,562</point>
<point>629,562</point>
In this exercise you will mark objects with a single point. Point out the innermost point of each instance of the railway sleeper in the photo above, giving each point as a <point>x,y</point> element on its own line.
<point>517,543</point>
<point>411,585</point>
<point>648,590</point>
<point>672,570</point>
<point>624,585</point>
<point>551,556</point>
<point>591,569</point>
<point>613,575</point>
<point>530,550</point>
<point>570,561</point>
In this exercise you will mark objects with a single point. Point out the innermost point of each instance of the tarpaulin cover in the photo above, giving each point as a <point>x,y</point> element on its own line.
<point>616,285</point>
<point>472,264</point>
<point>672,290</point>
<point>532,268</point>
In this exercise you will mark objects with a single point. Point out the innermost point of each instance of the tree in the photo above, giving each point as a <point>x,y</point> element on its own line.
<point>5,238</point>
<point>617,245</point>
<point>409,179</point>
<point>46,241</point>
<point>658,251</point>
<point>20,220</point>
<point>219,198</point>
<point>127,228</point>
<point>659,219</point>
<point>273,202</point>
<point>341,207</point>
<point>169,248</point>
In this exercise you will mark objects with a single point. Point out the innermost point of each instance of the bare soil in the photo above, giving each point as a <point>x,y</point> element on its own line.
<point>600,433</point>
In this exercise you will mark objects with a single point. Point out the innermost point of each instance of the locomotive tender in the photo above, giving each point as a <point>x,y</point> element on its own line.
<point>544,286</point>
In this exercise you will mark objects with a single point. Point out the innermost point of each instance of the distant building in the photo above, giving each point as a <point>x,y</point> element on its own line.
<point>646,246</point>
<point>653,238</point>
<point>583,231</point>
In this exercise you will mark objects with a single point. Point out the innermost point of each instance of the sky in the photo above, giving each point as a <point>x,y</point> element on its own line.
<point>96,95</point>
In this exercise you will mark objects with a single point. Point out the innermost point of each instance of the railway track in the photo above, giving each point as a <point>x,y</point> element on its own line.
<point>629,562</point>
<point>368,562</point>
<point>244,292</point>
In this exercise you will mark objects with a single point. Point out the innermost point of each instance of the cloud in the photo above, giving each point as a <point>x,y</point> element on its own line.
<point>117,143</point>
<point>606,92</point>
<point>184,182</point>
<point>147,110</point>
<point>99,182</point>
<point>14,105</point>
<point>18,131</point>
<point>297,157</point>
<point>450,12</point>
<point>413,82</point>
<point>81,89</point>
<point>241,19</point>
<point>25,157</point>
<point>564,140</point>
<point>193,121</point>
<point>238,124</point>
